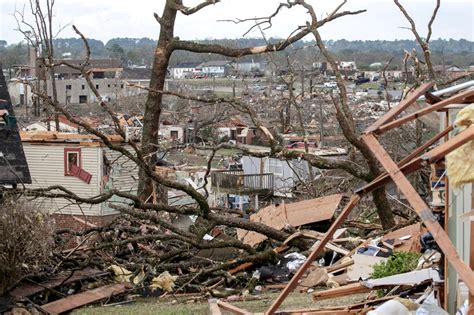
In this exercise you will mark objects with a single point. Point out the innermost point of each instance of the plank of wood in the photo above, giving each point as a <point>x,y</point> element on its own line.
<point>233,309</point>
<point>29,289</point>
<point>213,307</point>
<point>294,214</point>
<point>424,212</point>
<point>339,266</point>
<point>77,300</point>
<point>349,289</point>
<point>428,157</point>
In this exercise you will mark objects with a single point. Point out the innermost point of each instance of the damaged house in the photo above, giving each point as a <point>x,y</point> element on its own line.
<point>80,163</point>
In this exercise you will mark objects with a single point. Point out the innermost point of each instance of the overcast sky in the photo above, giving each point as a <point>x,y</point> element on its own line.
<point>105,19</point>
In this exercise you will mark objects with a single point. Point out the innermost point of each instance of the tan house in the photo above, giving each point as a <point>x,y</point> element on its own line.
<point>82,164</point>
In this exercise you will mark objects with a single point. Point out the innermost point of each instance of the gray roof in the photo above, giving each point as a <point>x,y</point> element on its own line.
<point>13,166</point>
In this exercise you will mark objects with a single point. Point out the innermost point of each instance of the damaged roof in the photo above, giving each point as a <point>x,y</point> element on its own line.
<point>65,137</point>
<point>13,166</point>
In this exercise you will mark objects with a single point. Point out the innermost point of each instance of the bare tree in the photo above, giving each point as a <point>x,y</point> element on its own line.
<point>168,43</point>
<point>40,34</point>
<point>423,42</point>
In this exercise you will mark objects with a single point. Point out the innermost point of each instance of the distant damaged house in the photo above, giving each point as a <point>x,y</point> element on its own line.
<point>13,165</point>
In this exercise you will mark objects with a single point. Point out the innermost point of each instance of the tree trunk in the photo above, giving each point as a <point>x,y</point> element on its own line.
<point>383,208</point>
<point>154,101</point>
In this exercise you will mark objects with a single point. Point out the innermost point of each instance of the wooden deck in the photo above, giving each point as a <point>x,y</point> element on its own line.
<point>236,182</point>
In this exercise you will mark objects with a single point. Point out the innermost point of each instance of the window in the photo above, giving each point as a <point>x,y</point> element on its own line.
<point>72,161</point>
<point>82,99</point>
<point>108,85</point>
<point>83,87</point>
<point>275,166</point>
<point>97,86</point>
<point>121,86</point>
<point>68,87</point>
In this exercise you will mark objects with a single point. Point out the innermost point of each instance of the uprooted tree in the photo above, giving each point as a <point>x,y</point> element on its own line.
<point>180,244</point>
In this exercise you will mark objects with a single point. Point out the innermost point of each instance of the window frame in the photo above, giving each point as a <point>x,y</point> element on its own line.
<point>67,151</point>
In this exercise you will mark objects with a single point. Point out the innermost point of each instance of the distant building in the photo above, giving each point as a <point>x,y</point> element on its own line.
<point>71,86</point>
<point>451,71</point>
<point>217,68</point>
<point>248,67</point>
<point>185,69</point>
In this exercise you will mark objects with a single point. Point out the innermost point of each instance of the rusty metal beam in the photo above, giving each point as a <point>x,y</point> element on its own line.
<point>314,254</point>
<point>427,158</point>
<point>395,111</point>
<point>453,99</point>
<point>423,211</point>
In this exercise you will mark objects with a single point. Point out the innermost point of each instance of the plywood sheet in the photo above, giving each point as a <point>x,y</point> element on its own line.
<point>412,244</point>
<point>293,214</point>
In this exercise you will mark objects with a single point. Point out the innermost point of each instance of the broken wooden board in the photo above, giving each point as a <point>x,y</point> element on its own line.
<point>410,237</point>
<point>362,267</point>
<point>349,289</point>
<point>29,289</point>
<point>316,277</point>
<point>77,300</point>
<point>293,214</point>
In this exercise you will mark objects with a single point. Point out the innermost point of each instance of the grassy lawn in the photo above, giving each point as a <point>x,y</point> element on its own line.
<point>184,306</point>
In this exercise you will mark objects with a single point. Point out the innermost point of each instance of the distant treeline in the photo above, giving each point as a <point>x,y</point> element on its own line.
<point>139,51</point>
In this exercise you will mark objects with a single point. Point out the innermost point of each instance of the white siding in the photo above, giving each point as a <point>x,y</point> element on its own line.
<point>46,163</point>
<point>123,176</point>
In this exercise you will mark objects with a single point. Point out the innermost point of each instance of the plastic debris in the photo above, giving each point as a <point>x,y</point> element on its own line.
<point>296,260</point>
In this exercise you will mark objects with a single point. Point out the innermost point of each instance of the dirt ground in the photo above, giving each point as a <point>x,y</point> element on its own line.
<point>183,306</point>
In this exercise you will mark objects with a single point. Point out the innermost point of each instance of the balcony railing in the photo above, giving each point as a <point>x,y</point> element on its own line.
<point>236,182</point>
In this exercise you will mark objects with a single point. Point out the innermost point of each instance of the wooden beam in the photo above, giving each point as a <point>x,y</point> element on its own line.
<point>423,211</point>
<point>231,308</point>
<point>214,307</point>
<point>457,98</point>
<point>395,111</point>
<point>314,254</point>
<point>427,158</point>
<point>353,288</point>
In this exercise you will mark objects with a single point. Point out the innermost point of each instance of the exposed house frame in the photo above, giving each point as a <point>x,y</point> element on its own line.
<point>397,173</point>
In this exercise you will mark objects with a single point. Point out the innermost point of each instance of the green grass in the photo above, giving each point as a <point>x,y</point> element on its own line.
<point>185,306</point>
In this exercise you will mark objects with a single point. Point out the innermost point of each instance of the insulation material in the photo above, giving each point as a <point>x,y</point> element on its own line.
<point>125,275</point>
<point>164,281</point>
<point>460,162</point>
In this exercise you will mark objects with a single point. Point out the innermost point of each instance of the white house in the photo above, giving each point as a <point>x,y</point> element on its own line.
<point>80,163</point>
<point>216,68</point>
<point>184,69</point>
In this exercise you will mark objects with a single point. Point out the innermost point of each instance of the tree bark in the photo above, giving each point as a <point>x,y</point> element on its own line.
<point>154,101</point>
